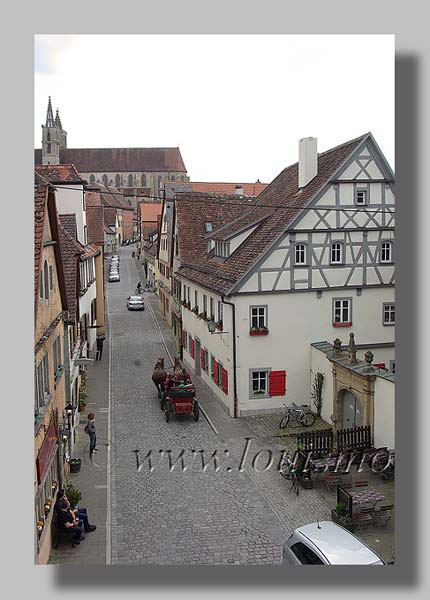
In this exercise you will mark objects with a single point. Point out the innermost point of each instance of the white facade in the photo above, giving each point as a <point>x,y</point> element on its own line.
<point>330,273</point>
<point>385,409</point>
<point>72,201</point>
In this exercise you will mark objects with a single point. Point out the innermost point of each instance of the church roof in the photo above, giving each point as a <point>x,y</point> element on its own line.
<point>249,189</point>
<point>111,160</point>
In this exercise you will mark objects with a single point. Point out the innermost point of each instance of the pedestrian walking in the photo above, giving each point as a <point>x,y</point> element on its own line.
<point>133,254</point>
<point>99,345</point>
<point>90,428</point>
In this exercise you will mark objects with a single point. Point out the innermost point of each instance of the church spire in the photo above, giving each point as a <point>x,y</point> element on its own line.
<point>58,120</point>
<point>49,115</point>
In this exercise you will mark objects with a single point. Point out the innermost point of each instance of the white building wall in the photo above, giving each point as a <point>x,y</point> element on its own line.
<point>295,320</point>
<point>71,201</point>
<point>384,423</point>
<point>85,307</point>
<point>219,344</point>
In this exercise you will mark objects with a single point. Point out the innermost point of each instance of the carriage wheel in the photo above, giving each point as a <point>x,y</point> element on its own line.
<point>196,411</point>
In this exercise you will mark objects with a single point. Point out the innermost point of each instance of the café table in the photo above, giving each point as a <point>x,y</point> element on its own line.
<point>362,497</point>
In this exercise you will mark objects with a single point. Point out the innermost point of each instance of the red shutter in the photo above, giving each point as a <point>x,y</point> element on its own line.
<point>278,383</point>
<point>192,347</point>
<point>202,358</point>
<point>183,339</point>
<point>224,381</point>
<point>216,372</point>
<point>379,365</point>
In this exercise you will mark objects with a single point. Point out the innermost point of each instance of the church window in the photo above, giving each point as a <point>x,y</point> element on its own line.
<point>48,137</point>
<point>92,179</point>
<point>105,179</point>
<point>160,183</point>
<point>49,149</point>
<point>130,180</point>
<point>143,180</point>
<point>117,181</point>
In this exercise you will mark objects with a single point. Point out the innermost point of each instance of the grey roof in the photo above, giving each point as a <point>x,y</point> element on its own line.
<point>360,367</point>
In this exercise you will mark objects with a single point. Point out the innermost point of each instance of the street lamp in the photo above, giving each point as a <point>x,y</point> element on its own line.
<point>212,327</point>
<point>64,433</point>
<point>69,409</point>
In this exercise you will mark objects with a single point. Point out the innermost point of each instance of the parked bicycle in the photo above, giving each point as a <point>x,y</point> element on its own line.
<point>301,416</point>
<point>288,472</point>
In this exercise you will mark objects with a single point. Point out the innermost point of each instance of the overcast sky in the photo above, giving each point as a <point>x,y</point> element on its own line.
<point>236,105</point>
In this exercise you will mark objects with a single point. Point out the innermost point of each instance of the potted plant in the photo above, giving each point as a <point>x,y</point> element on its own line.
<point>73,495</point>
<point>258,331</point>
<point>218,325</point>
<point>75,465</point>
<point>339,516</point>
<point>82,403</point>
<point>305,480</point>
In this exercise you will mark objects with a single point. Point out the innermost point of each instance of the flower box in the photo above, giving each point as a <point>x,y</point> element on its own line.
<point>259,332</point>
<point>341,520</point>
<point>219,325</point>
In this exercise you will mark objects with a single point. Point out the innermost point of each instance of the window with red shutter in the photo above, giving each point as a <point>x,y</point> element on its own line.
<point>277,383</point>
<point>216,378</point>
<point>224,381</point>
<point>202,358</point>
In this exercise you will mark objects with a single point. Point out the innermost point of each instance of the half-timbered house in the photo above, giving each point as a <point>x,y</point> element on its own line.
<point>311,259</point>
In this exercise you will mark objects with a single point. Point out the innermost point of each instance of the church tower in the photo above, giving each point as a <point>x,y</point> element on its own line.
<point>53,138</point>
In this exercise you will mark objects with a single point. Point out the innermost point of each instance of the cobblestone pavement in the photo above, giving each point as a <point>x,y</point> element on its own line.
<point>196,516</point>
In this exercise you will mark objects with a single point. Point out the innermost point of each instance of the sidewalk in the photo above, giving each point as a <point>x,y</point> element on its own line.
<point>91,481</point>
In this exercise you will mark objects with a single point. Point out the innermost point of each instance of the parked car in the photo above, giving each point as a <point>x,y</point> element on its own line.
<point>327,543</point>
<point>135,303</point>
<point>113,277</point>
<point>115,257</point>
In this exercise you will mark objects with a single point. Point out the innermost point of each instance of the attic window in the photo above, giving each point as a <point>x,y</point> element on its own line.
<point>208,226</point>
<point>222,249</point>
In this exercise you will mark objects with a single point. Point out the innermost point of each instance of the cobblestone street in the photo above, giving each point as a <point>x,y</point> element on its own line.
<point>192,516</point>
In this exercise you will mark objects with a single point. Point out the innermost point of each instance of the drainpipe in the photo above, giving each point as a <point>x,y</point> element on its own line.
<point>234,355</point>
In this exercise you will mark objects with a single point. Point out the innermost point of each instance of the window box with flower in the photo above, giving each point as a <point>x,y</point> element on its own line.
<point>218,325</point>
<point>258,331</point>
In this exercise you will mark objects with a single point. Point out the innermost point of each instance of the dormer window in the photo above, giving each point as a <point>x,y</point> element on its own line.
<point>208,226</point>
<point>222,249</point>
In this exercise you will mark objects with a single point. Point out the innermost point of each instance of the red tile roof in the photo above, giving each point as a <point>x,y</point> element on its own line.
<point>68,221</point>
<point>149,211</point>
<point>95,224</point>
<point>59,173</point>
<point>116,160</point>
<point>192,211</point>
<point>40,193</point>
<point>71,250</point>
<point>249,189</point>
<point>276,207</point>
<point>112,197</point>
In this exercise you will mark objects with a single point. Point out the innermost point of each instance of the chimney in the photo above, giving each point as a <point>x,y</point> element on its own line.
<point>239,190</point>
<point>308,160</point>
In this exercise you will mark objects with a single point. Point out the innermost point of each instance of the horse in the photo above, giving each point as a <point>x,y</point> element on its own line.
<point>159,376</point>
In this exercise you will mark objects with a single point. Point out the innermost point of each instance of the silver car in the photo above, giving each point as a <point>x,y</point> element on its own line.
<point>135,303</point>
<point>326,543</point>
<point>113,277</point>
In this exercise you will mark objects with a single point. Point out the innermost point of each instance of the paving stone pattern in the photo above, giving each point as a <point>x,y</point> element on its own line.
<point>186,517</point>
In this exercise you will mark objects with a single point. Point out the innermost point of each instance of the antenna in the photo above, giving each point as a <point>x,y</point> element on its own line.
<point>318,524</point>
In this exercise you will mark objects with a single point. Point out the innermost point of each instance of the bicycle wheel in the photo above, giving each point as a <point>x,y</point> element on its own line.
<point>308,419</point>
<point>284,421</point>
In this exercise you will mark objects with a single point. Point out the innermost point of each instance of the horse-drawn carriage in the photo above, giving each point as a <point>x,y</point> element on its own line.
<point>176,393</point>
